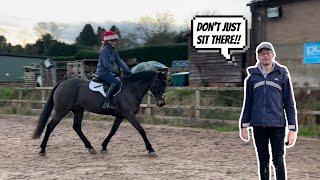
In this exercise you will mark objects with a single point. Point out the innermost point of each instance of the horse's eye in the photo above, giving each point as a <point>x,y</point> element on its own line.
<point>163,96</point>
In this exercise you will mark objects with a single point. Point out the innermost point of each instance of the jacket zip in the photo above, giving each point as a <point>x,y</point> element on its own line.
<point>264,103</point>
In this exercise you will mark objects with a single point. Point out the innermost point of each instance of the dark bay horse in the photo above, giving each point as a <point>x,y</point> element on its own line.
<point>74,95</point>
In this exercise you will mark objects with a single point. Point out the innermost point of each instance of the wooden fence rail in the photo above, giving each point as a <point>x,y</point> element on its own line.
<point>149,106</point>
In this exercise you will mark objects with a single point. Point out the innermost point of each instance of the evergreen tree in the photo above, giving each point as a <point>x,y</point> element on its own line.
<point>99,34</point>
<point>87,36</point>
<point>116,30</point>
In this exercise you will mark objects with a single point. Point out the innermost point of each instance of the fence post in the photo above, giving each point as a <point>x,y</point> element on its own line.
<point>197,104</point>
<point>20,98</point>
<point>42,97</point>
<point>149,108</point>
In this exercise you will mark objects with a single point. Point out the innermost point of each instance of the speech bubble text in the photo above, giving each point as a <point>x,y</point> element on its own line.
<point>220,33</point>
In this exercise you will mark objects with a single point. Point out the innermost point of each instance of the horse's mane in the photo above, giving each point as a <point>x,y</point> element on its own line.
<point>144,75</point>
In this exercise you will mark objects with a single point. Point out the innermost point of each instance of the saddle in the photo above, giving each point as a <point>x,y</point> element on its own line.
<point>100,86</point>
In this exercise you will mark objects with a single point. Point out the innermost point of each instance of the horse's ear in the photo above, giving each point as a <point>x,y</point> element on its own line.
<point>163,71</point>
<point>161,75</point>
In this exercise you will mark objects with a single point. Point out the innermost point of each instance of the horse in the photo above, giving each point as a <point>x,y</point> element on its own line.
<point>74,95</point>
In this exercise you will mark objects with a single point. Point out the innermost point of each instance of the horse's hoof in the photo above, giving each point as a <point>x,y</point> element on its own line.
<point>42,154</point>
<point>152,154</point>
<point>92,151</point>
<point>103,151</point>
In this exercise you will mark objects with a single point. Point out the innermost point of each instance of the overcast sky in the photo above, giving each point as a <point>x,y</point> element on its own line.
<point>17,17</point>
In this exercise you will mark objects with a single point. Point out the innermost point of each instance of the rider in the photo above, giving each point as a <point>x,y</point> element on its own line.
<point>108,57</point>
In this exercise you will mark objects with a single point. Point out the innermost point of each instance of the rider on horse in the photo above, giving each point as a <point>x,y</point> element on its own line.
<point>105,68</point>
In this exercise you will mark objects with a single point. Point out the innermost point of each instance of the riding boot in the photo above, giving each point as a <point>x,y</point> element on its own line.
<point>264,172</point>
<point>107,100</point>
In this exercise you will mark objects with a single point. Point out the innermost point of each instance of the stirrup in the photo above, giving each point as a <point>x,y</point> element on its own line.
<point>108,106</point>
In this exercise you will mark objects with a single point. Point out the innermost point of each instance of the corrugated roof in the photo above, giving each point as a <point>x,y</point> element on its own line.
<point>266,3</point>
<point>11,67</point>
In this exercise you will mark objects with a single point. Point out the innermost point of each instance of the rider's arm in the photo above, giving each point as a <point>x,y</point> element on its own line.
<point>121,64</point>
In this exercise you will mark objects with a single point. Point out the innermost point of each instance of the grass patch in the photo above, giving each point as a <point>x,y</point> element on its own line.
<point>14,108</point>
<point>220,114</point>
<point>310,131</point>
<point>8,93</point>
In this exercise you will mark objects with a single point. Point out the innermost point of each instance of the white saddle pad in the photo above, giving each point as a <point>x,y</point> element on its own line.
<point>94,86</point>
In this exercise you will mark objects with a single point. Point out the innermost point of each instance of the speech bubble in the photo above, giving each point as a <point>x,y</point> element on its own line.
<point>219,33</point>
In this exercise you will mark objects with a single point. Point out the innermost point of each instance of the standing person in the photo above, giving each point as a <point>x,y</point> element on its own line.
<point>268,92</point>
<point>108,57</point>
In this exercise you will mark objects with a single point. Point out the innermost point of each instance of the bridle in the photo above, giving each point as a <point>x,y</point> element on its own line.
<point>156,86</point>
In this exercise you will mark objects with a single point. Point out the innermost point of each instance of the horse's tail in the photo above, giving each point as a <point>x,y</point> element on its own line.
<point>45,114</point>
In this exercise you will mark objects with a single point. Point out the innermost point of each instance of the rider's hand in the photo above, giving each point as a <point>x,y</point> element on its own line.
<point>128,74</point>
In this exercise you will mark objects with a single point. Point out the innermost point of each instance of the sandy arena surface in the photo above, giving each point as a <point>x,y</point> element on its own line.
<point>183,153</point>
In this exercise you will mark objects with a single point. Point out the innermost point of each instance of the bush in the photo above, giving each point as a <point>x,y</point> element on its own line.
<point>162,54</point>
<point>7,93</point>
<point>64,58</point>
<point>86,54</point>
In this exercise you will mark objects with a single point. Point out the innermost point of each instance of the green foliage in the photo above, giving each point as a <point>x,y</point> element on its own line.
<point>99,34</point>
<point>162,54</point>
<point>86,54</point>
<point>222,98</point>
<point>61,49</point>
<point>308,103</point>
<point>116,30</point>
<point>3,42</point>
<point>87,36</point>
<point>309,131</point>
<point>180,96</point>
<point>7,93</point>
<point>63,58</point>
<point>220,114</point>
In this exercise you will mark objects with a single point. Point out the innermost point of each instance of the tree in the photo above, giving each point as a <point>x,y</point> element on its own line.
<point>43,44</point>
<point>3,43</point>
<point>61,49</point>
<point>99,34</point>
<point>116,30</point>
<point>156,30</point>
<point>181,37</point>
<point>87,36</point>
<point>42,28</point>
<point>17,49</point>
<point>31,49</point>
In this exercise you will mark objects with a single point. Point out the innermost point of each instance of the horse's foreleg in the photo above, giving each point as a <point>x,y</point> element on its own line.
<point>113,130</point>
<point>135,123</point>
<point>78,116</point>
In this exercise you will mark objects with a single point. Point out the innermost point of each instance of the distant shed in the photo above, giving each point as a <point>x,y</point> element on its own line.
<point>212,69</point>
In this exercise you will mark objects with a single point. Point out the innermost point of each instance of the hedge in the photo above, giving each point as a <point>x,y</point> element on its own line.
<point>163,54</point>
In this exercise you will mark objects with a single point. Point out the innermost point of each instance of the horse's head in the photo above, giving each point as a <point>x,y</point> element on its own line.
<point>158,87</point>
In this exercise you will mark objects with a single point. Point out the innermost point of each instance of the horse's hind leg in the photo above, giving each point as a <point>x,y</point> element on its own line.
<point>78,116</point>
<point>51,125</point>
<point>133,120</point>
<point>113,130</point>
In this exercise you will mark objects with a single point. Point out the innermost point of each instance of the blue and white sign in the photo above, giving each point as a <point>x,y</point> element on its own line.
<point>312,53</point>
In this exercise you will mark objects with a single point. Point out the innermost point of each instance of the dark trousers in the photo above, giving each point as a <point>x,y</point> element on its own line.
<point>108,78</point>
<point>262,137</point>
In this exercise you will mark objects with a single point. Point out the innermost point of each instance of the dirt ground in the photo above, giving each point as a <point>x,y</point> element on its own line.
<point>183,153</point>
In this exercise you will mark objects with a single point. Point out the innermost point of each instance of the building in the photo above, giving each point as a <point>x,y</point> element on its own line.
<point>212,69</point>
<point>292,26</point>
<point>12,67</point>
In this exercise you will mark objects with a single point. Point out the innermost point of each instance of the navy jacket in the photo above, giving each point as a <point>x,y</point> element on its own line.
<point>107,57</point>
<point>267,98</point>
